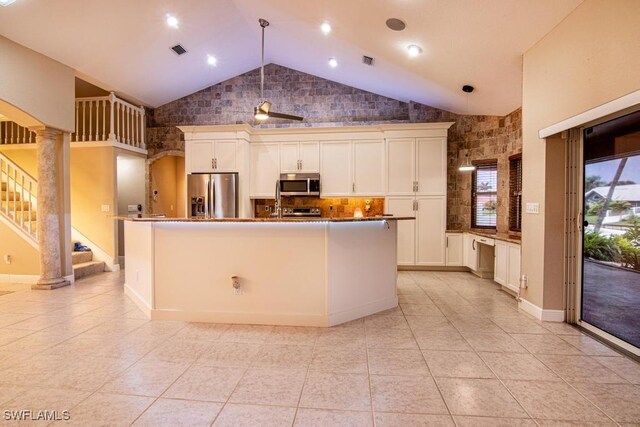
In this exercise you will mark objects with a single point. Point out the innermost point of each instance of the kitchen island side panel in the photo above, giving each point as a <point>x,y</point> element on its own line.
<point>280,267</point>
<point>362,271</point>
<point>138,274</point>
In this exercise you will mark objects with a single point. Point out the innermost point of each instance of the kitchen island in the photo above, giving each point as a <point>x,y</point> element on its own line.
<point>287,271</point>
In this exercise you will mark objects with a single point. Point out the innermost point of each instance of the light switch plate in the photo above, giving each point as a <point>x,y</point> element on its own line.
<point>105,208</point>
<point>533,208</point>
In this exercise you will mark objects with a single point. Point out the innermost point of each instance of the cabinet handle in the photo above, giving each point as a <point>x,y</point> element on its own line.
<point>473,244</point>
<point>213,165</point>
<point>216,159</point>
<point>299,165</point>
<point>447,241</point>
<point>353,187</point>
<point>417,186</point>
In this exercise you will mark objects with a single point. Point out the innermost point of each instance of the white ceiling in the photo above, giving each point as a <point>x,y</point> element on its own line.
<point>123,45</point>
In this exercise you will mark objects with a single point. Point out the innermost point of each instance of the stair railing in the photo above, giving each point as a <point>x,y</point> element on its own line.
<point>19,198</point>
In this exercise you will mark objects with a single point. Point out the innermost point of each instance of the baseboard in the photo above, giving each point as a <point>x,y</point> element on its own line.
<point>70,278</point>
<point>433,268</point>
<point>19,279</point>
<point>541,314</point>
<point>241,318</point>
<point>362,311</point>
<point>137,300</point>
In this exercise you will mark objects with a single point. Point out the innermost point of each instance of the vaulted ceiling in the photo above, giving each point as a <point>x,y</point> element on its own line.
<point>123,45</point>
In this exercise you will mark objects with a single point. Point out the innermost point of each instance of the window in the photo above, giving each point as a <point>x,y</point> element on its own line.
<point>484,194</point>
<point>515,192</point>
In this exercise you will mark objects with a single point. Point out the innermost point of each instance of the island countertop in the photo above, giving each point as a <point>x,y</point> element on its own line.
<point>288,219</point>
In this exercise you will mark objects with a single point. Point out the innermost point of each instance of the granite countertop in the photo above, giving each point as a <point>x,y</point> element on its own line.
<point>505,237</point>
<point>296,219</point>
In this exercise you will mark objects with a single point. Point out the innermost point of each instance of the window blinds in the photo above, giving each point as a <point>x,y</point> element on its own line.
<point>484,196</point>
<point>515,194</point>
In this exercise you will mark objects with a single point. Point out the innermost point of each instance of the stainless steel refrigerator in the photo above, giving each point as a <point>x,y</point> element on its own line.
<point>212,195</point>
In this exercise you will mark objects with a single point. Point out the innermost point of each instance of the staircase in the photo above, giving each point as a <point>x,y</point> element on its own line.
<point>84,265</point>
<point>18,204</point>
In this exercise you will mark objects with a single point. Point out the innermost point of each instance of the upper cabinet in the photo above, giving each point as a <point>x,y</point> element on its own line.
<point>335,168</point>
<point>265,169</point>
<point>417,166</point>
<point>352,168</point>
<point>214,156</point>
<point>300,157</point>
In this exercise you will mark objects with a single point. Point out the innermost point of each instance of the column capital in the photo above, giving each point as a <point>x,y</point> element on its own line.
<point>43,132</point>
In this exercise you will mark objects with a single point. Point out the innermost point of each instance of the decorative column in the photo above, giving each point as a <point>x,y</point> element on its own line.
<point>49,210</point>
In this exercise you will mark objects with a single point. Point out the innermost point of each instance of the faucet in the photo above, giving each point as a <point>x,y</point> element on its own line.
<point>277,212</point>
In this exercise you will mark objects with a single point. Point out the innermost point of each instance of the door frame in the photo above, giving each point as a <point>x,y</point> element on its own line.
<point>576,244</point>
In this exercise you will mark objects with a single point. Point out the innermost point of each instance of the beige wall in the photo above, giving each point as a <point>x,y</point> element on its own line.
<point>36,85</point>
<point>130,171</point>
<point>590,58</point>
<point>93,184</point>
<point>167,177</point>
<point>24,257</point>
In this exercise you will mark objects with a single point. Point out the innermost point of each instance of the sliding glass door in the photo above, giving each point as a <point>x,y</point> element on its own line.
<point>610,292</point>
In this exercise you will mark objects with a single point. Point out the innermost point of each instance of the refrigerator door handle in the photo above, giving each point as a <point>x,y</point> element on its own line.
<point>212,197</point>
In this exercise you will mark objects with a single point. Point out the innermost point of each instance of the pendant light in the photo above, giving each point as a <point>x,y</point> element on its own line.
<point>466,165</point>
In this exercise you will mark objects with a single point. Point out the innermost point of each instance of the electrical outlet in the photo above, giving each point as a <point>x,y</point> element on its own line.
<point>524,280</point>
<point>105,208</point>
<point>7,259</point>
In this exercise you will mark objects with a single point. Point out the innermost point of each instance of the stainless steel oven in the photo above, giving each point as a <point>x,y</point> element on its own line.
<point>299,184</point>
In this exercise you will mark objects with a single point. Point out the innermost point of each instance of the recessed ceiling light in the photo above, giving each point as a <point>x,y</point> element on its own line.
<point>211,60</point>
<point>333,62</point>
<point>6,2</point>
<point>172,21</point>
<point>414,50</point>
<point>325,27</point>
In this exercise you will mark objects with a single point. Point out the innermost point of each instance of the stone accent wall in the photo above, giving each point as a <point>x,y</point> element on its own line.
<point>325,103</point>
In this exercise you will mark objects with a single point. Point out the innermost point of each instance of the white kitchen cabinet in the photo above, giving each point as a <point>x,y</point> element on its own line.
<point>214,156</point>
<point>431,166</point>
<point>265,169</point>
<point>470,251</point>
<point>336,169</point>
<point>299,157</point>
<point>401,166</point>
<point>454,245</point>
<point>404,206</point>
<point>501,268</point>
<point>513,276</point>
<point>417,166</point>
<point>368,168</point>
<point>430,234</point>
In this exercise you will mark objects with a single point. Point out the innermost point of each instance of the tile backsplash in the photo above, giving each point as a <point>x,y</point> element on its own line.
<point>342,207</point>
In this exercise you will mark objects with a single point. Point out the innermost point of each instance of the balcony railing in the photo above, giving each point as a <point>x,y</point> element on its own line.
<point>108,118</point>
<point>13,133</point>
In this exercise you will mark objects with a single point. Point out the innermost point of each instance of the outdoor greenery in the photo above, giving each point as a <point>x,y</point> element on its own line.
<point>616,206</point>
<point>623,249</point>
<point>490,206</point>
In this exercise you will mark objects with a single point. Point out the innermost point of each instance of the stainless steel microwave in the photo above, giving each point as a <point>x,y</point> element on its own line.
<point>299,184</point>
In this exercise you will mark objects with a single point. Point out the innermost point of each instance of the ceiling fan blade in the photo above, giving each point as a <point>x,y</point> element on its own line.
<point>284,116</point>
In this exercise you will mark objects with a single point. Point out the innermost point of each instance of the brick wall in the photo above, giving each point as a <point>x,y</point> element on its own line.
<point>325,103</point>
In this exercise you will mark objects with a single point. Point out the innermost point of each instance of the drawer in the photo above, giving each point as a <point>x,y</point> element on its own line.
<point>485,240</point>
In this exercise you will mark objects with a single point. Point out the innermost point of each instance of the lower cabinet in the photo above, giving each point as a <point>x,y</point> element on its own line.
<point>470,251</point>
<point>422,241</point>
<point>507,265</point>
<point>454,249</point>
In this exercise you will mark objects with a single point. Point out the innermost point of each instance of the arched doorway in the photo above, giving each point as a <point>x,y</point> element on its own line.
<point>167,184</point>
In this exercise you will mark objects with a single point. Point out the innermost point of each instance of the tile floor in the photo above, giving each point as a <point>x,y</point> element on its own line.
<point>456,352</point>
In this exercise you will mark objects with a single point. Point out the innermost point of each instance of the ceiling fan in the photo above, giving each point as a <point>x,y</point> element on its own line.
<point>263,110</point>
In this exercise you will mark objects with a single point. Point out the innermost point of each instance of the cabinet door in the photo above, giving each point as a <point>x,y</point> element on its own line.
<point>225,154</point>
<point>309,156</point>
<point>454,246</point>
<point>400,166</point>
<point>289,157</point>
<point>368,168</point>
<point>471,252</point>
<point>403,206</point>
<point>431,166</point>
<point>202,156</point>
<point>265,169</point>
<point>513,278</point>
<point>500,269</point>
<point>430,235</point>
<point>335,168</point>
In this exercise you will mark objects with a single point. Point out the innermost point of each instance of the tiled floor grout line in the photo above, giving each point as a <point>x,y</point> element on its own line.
<point>427,365</point>
<point>366,352</point>
<point>304,382</point>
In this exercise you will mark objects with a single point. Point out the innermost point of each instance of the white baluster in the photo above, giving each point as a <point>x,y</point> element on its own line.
<point>104,119</point>
<point>112,129</point>
<point>75,135</point>
<point>143,144</point>
<point>91,137</point>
